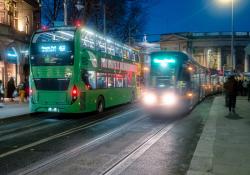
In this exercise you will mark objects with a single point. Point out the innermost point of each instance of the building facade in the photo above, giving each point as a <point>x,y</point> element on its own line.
<point>212,50</point>
<point>18,20</point>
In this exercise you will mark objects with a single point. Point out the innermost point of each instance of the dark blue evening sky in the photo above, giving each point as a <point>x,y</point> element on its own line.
<point>170,16</point>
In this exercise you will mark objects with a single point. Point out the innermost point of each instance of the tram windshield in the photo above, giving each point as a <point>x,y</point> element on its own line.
<point>163,77</point>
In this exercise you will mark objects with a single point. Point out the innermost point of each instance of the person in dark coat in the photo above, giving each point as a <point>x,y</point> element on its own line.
<point>240,87</point>
<point>1,91</point>
<point>11,88</point>
<point>248,90</point>
<point>231,90</point>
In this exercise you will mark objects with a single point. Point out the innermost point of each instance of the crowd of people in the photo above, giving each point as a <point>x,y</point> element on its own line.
<point>11,91</point>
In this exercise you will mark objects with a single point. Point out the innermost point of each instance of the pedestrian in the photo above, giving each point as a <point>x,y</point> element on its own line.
<point>11,88</point>
<point>231,90</point>
<point>1,91</point>
<point>21,91</point>
<point>240,87</point>
<point>248,90</point>
<point>244,86</point>
<point>26,89</point>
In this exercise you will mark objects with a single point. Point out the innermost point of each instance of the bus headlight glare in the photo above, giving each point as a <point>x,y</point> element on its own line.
<point>149,99</point>
<point>169,99</point>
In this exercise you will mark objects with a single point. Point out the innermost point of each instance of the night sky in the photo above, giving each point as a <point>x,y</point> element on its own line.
<point>170,16</point>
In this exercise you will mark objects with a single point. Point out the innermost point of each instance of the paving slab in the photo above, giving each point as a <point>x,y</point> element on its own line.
<point>224,146</point>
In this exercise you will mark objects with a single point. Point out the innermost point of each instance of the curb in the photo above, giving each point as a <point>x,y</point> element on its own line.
<point>202,161</point>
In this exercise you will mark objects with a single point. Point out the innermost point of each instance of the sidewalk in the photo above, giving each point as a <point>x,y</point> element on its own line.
<point>12,109</point>
<point>224,145</point>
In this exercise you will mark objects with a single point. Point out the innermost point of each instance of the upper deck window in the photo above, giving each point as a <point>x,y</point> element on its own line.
<point>103,44</point>
<point>53,36</point>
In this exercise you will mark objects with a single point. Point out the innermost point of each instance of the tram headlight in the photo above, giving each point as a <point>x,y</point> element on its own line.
<point>169,99</point>
<point>149,98</point>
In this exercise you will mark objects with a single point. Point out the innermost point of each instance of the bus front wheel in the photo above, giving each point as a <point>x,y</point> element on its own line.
<point>100,104</point>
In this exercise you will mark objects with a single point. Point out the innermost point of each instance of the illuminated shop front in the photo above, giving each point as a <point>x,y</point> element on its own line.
<point>13,62</point>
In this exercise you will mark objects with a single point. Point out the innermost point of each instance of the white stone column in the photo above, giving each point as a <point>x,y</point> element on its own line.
<point>246,64</point>
<point>219,67</point>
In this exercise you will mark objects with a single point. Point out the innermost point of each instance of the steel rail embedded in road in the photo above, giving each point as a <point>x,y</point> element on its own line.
<point>71,153</point>
<point>128,159</point>
<point>70,131</point>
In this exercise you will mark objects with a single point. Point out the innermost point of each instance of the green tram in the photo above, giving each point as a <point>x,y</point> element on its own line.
<point>75,70</point>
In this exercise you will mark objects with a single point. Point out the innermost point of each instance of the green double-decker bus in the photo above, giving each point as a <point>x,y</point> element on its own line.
<point>75,70</point>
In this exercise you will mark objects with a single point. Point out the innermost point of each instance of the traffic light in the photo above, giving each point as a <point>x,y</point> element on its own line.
<point>78,23</point>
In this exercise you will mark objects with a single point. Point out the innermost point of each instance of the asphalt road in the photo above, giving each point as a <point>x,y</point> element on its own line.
<point>123,140</point>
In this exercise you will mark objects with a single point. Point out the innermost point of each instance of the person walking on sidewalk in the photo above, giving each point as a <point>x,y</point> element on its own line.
<point>248,90</point>
<point>231,90</point>
<point>244,85</point>
<point>21,91</point>
<point>1,91</point>
<point>10,88</point>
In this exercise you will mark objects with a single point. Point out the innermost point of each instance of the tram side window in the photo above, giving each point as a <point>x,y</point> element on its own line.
<point>195,81</point>
<point>101,80</point>
<point>185,76</point>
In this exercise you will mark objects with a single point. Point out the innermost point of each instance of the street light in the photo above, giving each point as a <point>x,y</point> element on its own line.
<point>226,2</point>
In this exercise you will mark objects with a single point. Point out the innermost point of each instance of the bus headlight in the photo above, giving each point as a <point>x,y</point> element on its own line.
<point>169,99</point>
<point>149,99</point>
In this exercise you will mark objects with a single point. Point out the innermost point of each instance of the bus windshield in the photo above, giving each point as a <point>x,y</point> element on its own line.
<point>52,48</point>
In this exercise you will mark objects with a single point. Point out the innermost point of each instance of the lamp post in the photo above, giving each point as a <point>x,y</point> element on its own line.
<point>65,12</point>
<point>224,2</point>
<point>232,36</point>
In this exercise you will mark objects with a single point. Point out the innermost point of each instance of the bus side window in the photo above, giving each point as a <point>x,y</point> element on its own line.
<point>119,81</point>
<point>125,82</point>
<point>111,82</point>
<point>89,78</point>
<point>101,80</point>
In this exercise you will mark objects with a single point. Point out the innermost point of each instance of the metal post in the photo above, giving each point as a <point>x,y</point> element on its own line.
<point>129,35</point>
<point>65,12</point>
<point>232,38</point>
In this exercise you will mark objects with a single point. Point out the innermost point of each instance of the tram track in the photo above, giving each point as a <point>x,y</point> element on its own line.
<point>126,158</point>
<point>28,125</point>
<point>122,162</point>
<point>129,158</point>
<point>65,133</point>
<point>40,166</point>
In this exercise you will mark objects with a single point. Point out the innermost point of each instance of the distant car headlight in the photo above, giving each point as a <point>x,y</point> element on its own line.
<point>149,98</point>
<point>169,99</point>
